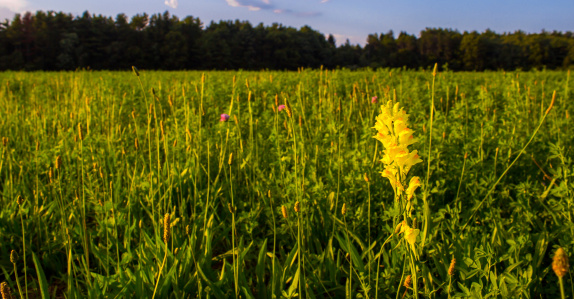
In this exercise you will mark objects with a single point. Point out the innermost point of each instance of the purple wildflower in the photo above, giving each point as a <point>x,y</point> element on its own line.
<point>224,117</point>
<point>374,99</point>
<point>280,107</point>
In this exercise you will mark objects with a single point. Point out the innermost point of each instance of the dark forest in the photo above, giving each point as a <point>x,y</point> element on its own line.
<point>60,41</point>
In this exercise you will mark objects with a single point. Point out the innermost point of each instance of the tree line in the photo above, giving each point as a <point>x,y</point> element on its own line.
<point>59,41</point>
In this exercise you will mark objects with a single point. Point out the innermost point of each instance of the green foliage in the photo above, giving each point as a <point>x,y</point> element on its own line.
<point>92,223</point>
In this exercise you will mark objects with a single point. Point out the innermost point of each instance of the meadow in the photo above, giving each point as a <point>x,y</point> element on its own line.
<point>130,184</point>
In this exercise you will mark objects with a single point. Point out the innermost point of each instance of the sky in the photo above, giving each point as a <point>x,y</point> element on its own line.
<point>344,19</point>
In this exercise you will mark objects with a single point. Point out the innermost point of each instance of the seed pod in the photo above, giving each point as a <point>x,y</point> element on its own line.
<point>230,161</point>
<point>269,193</point>
<point>140,224</point>
<point>297,207</point>
<point>366,177</point>
<point>289,113</point>
<point>175,143</point>
<point>5,290</point>
<point>560,263</point>
<point>284,212</point>
<point>344,209</point>
<point>58,162</point>
<point>13,256</point>
<point>80,135</point>
<point>50,174</point>
<point>451,267</point>
<point>135,69</point>
<point>398,228</point>
<point>166,228</point>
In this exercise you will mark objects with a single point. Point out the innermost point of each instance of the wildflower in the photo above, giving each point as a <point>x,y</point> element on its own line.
<point>413,185</point>
<point>374,100</point>
<point>280,107</point>
<point>393,132</point>
<point>224,117</point>
<point>410,235</point>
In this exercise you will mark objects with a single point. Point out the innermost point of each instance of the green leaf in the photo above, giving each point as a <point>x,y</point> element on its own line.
<point>41,277</point>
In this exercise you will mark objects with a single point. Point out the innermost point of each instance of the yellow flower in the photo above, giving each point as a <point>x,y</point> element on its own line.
<point>413,185</point>
<point>391,174</point>
<point>411,235</point>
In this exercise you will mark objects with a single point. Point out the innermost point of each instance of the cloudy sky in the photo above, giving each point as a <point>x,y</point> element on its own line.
<point>345,19</point>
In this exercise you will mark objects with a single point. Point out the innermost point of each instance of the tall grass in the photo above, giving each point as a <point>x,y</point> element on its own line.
<point>98,157</point>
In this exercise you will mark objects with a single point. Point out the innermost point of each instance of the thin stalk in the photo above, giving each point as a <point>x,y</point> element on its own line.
<point>509,166</point>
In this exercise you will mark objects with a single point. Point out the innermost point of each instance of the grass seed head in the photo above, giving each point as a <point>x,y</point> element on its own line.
<point>230,161</point>
<point>297,207</point>
<point>451,267</point>
<point>408,281</point>
<point>284,212</point>
<point>344,209</point>
<point>13,256</point>
<point>5,290</point>
<point>560,263</point>
<point>166,228</point>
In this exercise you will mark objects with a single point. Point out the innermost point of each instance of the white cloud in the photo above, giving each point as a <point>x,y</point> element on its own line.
<point>14,5</point>
<point>170,3</point>
<point>252,5</point>
<point>324,1</point>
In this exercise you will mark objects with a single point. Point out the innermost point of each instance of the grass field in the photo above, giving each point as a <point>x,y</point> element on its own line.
<point>126,184</point>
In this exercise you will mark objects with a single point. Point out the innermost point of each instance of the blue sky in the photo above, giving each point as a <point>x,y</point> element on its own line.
<point>352,20</point>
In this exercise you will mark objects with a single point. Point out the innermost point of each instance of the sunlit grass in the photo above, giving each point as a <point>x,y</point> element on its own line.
<point>285,197</point>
